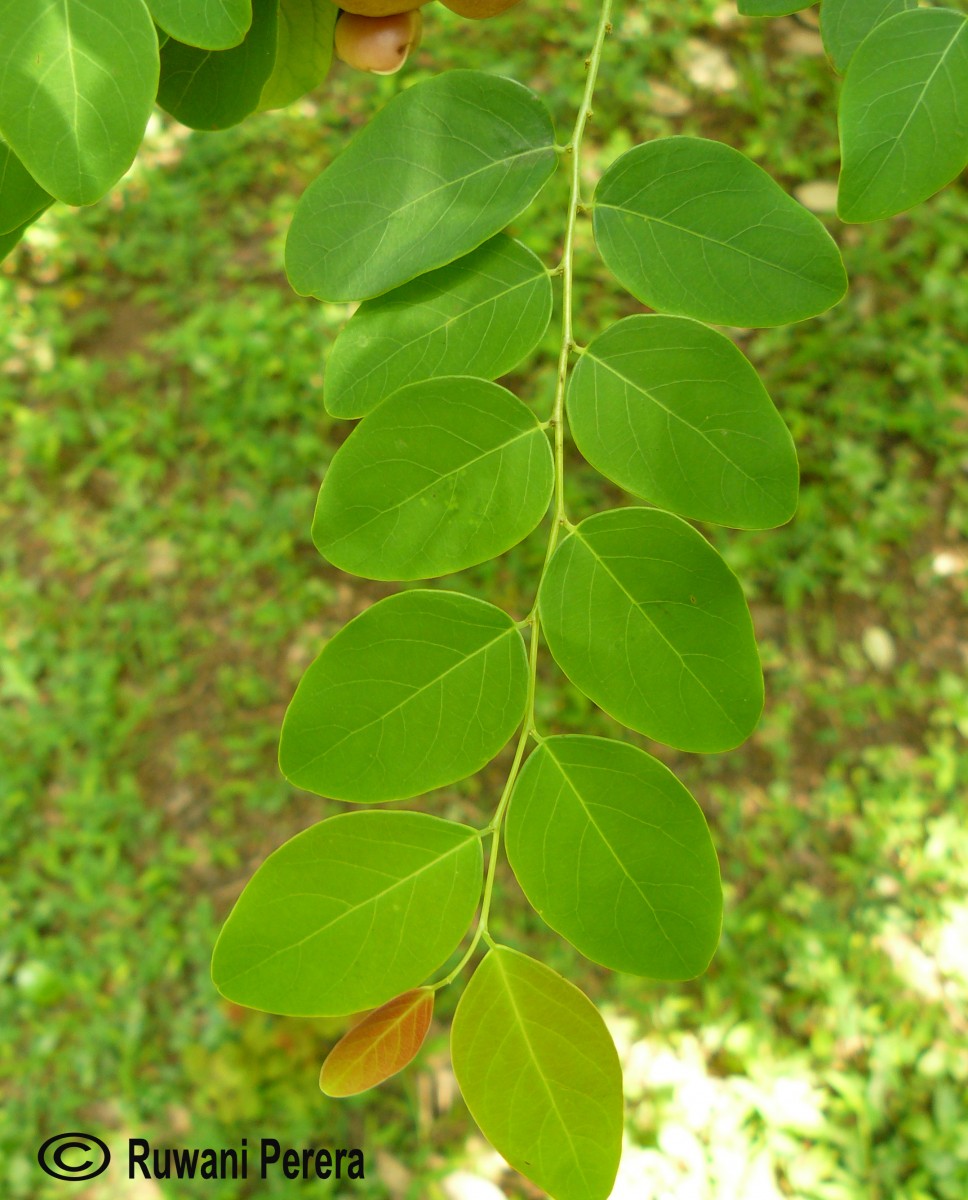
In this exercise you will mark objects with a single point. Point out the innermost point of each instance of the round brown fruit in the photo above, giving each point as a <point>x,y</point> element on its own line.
<point>478,10</point>
<point>380,45</point>
<point>378,8</point>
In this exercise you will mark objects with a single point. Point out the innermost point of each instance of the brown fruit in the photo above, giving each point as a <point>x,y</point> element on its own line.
<point>478,10</point>
<point>380,45</point>
<point>378,8</point>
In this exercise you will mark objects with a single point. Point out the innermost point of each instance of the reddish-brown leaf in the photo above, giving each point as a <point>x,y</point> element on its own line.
<point>382,1044</point>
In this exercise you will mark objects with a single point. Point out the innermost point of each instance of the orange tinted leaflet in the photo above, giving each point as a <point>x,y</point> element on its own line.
<point>382,1044</point>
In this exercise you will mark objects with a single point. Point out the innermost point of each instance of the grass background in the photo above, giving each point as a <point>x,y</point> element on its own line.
<point>160,597</point>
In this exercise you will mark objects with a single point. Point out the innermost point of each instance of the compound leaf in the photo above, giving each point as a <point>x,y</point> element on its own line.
<point>304,51</point>
<point>445,474</point>
<point>22,199</point>
<point>643,615</point>
<point>420,690</point>
<point>904,114</point>
<point>209,24</point>
<point>615,854</point>
<point>845,23</point>
<point>671,411</point>
<point>441,169</point>
<point>77,82</point>
<point>693,227</point>
<point>350,913</point>
<point>540,1075</point>
<point>207,89</point>
<point>382,1044</point>
<point>480,315</point>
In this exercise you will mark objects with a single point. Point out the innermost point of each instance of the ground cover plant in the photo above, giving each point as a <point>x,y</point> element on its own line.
<point>547,697</point>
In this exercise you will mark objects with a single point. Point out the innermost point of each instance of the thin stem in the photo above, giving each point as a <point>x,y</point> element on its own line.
<point>572,151</point>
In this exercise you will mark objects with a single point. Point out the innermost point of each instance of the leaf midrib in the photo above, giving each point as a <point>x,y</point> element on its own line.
<point>356,908</point>
<point>639,609</point>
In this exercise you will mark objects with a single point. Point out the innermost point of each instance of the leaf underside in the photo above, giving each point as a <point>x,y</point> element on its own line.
<point>540,1075</point>
<point>420,690</point>
<point>350,913</point>
<point>615,855</point>
<point>643,616</point>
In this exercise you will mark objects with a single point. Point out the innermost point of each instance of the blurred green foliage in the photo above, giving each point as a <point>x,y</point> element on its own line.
<point>164,438</point>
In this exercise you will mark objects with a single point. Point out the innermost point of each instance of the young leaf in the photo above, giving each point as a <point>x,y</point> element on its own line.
<point>671,411</point>
<point>845,23</point>
<point>445,474</point>
<point>22,198</point>
<point>77,82</point>
<point>304,51</point>
<point>419,691</point>
<point>350,913</point>
<point>210,24</point>
<point>540,1075</point>
<point>643,615</point>
<point>207,90</point>
<point>383,1043</point>
<point>478,316</point>
<point>440,170</point>
<point>771,8</point>
<point>692,227</point>
<point>615,855</point>
<point>904,114</point>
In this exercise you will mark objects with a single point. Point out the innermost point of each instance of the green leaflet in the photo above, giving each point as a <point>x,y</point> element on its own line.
<point>215,89</point>
<point>692,227</point>
<point>77,82</point>
<point>771,8</point>
<point>540,1075</point>
<point>614,853</point>
<point>210,24</point>
<point>350,913</point>
<point>445,474</point>
<point>643,615</point>
<point>443,167</point>
<point>22,199</point>
<point>845,23</point>
<point>904,114</point>
<point>480,315</point>
<point>671,410</point>
<point>304,51</point>
<point>10,240</point>
<point>419,691</point>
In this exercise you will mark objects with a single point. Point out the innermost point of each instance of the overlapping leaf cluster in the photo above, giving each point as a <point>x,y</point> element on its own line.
<point>447,469</point>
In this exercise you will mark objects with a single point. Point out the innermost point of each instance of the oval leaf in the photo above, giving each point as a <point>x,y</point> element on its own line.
<point>383,1043</point>
<point>671,411</point>
<point>478,316</point>
<point>417,692</point>
<point>10,240</point>
<point>350,913</point>
<point>442,168</point>
<point>904,114</point>
<point>22,199</point>
<point>692,227</point>
<point>210,24</point>
<point>845,23</point>
<point>540,1075</point>
<point>77,83</point>
<point>444,475</point>
<point>207,90</point>
<point>304,51</point>
<point>643,615</point>
<point>615,854</point>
